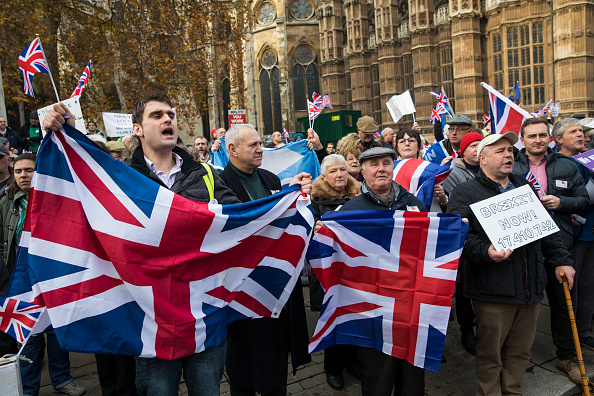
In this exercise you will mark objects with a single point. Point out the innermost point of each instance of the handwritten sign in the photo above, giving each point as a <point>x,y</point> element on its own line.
<point>514,219</point>
<point>117,124</point>
<point>73,105</point>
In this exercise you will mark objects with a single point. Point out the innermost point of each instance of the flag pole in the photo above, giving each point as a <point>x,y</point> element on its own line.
<point>49,70</point>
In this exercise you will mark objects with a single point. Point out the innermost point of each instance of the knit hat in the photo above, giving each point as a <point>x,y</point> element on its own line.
<point>469,138</point>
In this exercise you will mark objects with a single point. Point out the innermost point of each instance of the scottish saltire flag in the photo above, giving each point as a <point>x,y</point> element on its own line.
<point>436,153</point>
<point>327,102</point>
<point>532,179</point>
<point>515,93</point>
<point>125,266</point>
<point>290,160</point>
<point>543,111</point>
<point>31,61</point>
<point>82,82</point>
<point>389,279</point>
<point>420,177</point>
<point>506,116</point>
<point>220,158</point>
<point>18,318</point>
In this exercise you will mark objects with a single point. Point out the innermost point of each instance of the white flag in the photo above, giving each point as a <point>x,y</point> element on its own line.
<point>400,105</point>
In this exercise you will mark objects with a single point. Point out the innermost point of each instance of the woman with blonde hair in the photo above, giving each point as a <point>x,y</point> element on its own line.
<point>348,143</point>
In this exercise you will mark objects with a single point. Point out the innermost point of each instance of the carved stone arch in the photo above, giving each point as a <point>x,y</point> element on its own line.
<point>263,50</point>
<point>305,41</point>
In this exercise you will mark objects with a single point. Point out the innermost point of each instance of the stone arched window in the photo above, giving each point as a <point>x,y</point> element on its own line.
<point>270,92</point>
<point>302,9</point>
<point>265,13</point>
<point>305,76</point>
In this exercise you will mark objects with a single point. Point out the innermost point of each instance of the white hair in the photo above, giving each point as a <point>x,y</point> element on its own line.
<point>233,137</point>
<point>386,131</point>
<point>331,160</point>
<point>97,138</point>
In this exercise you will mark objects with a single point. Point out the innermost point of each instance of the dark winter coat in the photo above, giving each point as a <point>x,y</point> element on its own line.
<point>9,218</point>
<point>403,201</point>
<point>189,183</point>
<point>14,140</point>
<point>254,346</point>
<point>520,279</point>
<point>561,171</point>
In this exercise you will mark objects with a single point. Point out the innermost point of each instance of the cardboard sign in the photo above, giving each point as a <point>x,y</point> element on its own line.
<point>514,219</point>
<point>73,105</point>
<point>237,117</point>
<point>117,124</point>
<point>554,110</point>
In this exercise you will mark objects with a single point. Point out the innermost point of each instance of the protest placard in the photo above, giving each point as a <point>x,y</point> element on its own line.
<point>117,124</point>
<point>514,219</point>
<point>400,105</point>
<point>555,109</point>
<point>586,159</point>
<point>73,105</point>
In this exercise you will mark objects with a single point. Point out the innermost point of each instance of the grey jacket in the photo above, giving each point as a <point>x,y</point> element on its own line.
<point>458,175</point>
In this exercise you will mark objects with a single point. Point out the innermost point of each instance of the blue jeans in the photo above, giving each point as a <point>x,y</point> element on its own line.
<point>202,371</point>
<point>58,365</point>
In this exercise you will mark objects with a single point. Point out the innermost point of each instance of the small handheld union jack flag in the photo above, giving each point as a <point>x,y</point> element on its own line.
<point>327,102</point>
<point>286,134</point>
<point>31,61</point>
<point>543,111</point>
<point>531,177</point>
<point>17,318</point>
<point>437,112</point>
<point>441,96</point>
<point>82,82</point>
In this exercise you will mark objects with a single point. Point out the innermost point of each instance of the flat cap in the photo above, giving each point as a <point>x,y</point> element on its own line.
<point>375,152</point>
<point>33,115</point>
<point>367,125</point>
<point>115,146</point>
<point>459,119</point>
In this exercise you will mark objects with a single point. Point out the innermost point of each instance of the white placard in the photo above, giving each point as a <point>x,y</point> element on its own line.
<point>73,105</point>
<point>400,105</point>
<point>590,125</point>
<point>117,124</point>
<point>513,219</point>
<point>555,110</point>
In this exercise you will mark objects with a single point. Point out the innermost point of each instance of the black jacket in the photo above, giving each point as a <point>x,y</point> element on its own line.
<point>365,201</point>
<point>521,278</point>
<point>255,346</point>
<point>14,140</point>
<point>564,181</point>
<point>189,183</point>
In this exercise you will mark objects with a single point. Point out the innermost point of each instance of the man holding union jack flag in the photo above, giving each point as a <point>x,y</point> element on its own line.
<point>505,286</point>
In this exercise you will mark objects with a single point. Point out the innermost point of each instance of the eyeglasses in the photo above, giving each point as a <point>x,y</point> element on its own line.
<point>459,129</point>
<point>409,141</point>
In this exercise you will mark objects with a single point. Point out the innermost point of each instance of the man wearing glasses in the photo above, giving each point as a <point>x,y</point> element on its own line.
<point>459,125</point>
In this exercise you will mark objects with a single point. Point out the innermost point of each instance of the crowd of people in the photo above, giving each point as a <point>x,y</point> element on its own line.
<point>497,292</point>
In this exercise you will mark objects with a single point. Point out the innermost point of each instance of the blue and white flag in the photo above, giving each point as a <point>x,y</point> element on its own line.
<point>290,160</point>
<point>436,153</point>
<point>220,157</point>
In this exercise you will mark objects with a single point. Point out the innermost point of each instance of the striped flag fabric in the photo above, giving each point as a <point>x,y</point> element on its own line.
<point>82,81</point>
<point>506,116</point>
<point>327,102</point>
<point>18,318</point>
<point>376,135</point>
<point>286,133</point>
<point>542,111</point>
<point>420,177</point>
<point>313,110</point>
<point>383,293</point>
<point>125,266</point>
<point>31,61</point>
<point>531,177</point>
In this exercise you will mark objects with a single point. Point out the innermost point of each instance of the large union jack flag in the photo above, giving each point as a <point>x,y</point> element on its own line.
<point>389,279</point>
<point>82,82</point>
<point>420,177</point>
<point>506,116</point>
<point>17,318</point>
<point>125,266</point>
<point>31,61</point>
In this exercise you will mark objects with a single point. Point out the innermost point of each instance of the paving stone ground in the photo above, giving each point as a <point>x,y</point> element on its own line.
<point>456,376</point>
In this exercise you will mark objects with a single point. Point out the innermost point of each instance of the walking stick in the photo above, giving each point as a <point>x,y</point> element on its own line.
<point>576,339</point>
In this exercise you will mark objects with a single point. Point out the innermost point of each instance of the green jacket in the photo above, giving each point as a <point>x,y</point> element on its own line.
<point>9,218</point>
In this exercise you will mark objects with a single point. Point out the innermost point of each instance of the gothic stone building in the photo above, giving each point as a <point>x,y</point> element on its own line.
<point>361,52</point>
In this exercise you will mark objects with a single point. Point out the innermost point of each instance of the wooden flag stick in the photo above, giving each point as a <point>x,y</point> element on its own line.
<point>576,338</point>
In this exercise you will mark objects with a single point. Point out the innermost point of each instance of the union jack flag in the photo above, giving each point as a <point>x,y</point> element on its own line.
<point>82,82</point>
<point>441,96</point>
<point>436,153</point>
<point>31,61</point>
<point>420,177</point>
<point>317,100</point>
<point>287,137</point>
<point>376,135</point>
<point>327,102</point>
<point>543,110</point>
<point>437,112</point>
<point>389,279</point>
<point>531,177</point>
<point>313,110</point>
<point>17,318</point>
<point>125,266</point>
